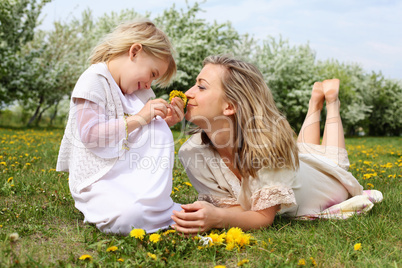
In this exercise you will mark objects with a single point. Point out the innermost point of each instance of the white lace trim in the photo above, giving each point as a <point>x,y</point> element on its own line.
<point>272,196</point>
<point>218,201</point>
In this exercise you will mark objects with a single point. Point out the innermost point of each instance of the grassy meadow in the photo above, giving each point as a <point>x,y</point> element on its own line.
<point>40,227</point>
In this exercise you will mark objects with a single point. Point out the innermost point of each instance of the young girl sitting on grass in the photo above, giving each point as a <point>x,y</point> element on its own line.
<point>117,144</point>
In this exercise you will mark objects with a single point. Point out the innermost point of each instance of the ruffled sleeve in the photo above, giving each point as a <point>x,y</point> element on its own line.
<point>272,187</point>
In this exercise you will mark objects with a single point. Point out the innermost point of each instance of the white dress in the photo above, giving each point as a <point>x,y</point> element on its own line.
<point>321,182</point>
<point>135,193</point>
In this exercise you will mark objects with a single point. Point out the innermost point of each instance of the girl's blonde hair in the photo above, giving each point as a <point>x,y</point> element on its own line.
<point>263,137</point>
<point>154,43</point>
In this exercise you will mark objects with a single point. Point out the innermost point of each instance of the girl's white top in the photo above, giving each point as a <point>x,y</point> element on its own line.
<point>94,142</point>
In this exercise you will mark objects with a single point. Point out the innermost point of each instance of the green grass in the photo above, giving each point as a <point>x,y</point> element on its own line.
<point>35,202</point>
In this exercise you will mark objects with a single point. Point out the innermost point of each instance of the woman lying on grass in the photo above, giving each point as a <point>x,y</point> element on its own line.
<point>245,163</point>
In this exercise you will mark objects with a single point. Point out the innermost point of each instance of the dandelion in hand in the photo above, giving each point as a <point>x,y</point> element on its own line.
<point>176,93</point>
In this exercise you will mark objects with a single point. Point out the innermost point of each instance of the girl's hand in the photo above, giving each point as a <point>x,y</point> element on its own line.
<point>197,217</point>
<point>175,112</point>
<point>152,109</point>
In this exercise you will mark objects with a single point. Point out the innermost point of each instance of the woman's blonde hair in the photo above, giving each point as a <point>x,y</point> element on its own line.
<point>154,43</point>
<point>263,137</point>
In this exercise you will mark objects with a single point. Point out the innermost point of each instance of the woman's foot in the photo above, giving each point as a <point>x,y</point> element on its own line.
<point>331,90</point>
<point>317,96</point>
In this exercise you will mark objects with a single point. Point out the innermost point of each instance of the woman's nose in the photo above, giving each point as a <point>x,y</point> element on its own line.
<point>190,93</point>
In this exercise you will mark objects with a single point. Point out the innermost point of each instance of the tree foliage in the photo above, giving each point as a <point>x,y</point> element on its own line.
<point>40,68</point>
<point>18,20</point>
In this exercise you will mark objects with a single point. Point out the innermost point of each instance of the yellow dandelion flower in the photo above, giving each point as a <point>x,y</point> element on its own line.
<point>230,246</point>
<point>137,233</point>
<point>152,256</point>
<point>169,232</point>
<point>245,240</point>
<point>220,266</point>
<point>10,179</point>
<point>357,246</point>
<point>234,235</point>
<point>187,183</point>
<point>242,262</point>
<point>86,257</point>
<point>302,262</point>
<point>120,260</point>
<point>176,93</point>
<point>370,185</point>
<point>155,238</point>
<point>3,163</point>
<point>113,248</point>
<point>313,262</point>
<point>28,164</point>
<point>216,238</point>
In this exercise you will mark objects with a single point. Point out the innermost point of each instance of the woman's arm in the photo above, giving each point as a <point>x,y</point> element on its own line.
<point>202,216</point>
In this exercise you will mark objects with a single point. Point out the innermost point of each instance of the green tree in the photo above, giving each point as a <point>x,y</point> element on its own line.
<point>290,73</point>
<point>18,20</point>
<point>194,39</point>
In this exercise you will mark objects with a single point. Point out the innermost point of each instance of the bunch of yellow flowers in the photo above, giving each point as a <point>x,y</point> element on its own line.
<point>176,93</point>
<point>233,238</point>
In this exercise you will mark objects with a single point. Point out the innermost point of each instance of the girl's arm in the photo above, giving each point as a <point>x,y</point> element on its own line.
<point>103,135</point>
<point>202,216</point>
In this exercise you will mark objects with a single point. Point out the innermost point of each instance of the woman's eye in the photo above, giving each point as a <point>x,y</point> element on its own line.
<point>201,87</point>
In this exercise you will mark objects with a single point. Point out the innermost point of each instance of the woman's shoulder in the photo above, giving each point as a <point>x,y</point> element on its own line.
<point>194,149</point>
<point>194,143</point>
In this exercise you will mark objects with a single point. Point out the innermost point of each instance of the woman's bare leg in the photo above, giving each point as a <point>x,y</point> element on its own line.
<point>310,131</point>
<point>333,131</point>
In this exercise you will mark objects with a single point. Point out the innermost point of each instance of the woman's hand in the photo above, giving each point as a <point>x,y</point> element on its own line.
<point>202,216</point>
<point>175,112</point>
<point>197,217</point>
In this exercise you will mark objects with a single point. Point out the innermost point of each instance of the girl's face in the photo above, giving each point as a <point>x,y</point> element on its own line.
<point>139,69</point>
<point>206,99</point>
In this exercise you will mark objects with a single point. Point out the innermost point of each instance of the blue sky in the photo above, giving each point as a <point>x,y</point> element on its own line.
<point>352,31</point>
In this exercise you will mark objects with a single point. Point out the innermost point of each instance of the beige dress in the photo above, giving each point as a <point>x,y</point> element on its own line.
<point>321,181</point>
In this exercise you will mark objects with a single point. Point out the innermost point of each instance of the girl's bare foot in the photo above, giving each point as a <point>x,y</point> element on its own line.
<point>331,90</point>
<point>317,96</point>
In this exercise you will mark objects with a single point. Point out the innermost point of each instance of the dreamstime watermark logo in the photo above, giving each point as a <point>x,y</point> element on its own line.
<point>201,161</point>
<point>140,162</point>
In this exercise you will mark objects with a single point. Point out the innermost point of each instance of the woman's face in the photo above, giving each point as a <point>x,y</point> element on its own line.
<point>206,99</point>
